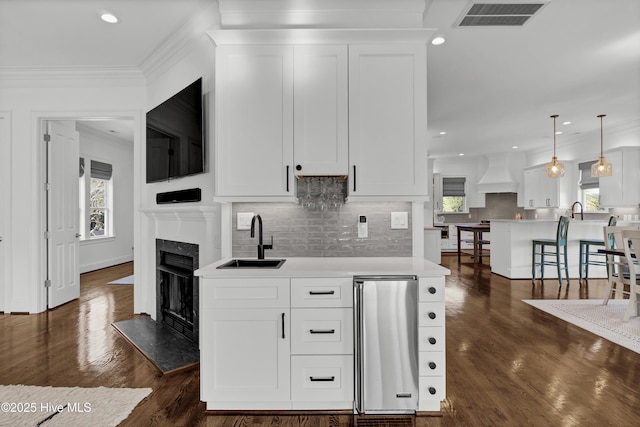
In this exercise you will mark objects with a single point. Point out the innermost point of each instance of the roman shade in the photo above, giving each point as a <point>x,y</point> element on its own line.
<point>453,186</point>
<point>101,170</point>
<point>586,180</point>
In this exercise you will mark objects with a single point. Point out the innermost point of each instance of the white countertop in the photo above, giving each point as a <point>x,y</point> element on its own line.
<point>332,267</point>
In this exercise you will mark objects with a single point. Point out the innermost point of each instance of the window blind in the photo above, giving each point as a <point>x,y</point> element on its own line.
<point>101,170</point>
<point>453,186</point>
<point>586,180</point>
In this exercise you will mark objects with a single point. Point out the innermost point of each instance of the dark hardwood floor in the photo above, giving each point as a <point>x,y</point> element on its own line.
<point>508,364</point>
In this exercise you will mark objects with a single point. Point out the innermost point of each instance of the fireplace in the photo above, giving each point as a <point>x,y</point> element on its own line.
<point>176,287</point>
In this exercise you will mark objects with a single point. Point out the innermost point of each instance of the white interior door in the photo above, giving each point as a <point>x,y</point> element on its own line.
<point>63,210</point>
<point>4,193</point>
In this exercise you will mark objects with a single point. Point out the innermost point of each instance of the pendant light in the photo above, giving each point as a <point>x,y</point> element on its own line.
<point>601,167</point>
<point>555,169</point>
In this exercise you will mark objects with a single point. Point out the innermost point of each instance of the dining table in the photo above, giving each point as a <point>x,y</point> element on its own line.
<point>478,251</point>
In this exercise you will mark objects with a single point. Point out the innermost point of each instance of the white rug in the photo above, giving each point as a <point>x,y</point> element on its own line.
<point>602,320</point>
<point>124,281</point>
<point>22,405</point>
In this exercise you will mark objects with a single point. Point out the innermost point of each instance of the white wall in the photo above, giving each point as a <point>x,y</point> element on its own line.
<point>29,98</point>
<point>101,253</point>
<point>5,168</point>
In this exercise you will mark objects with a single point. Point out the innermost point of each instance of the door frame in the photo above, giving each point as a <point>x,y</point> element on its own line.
<point>5,196</point>
<point>40,119</point>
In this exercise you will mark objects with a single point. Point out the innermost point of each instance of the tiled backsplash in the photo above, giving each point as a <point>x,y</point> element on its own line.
<point>333,233</point>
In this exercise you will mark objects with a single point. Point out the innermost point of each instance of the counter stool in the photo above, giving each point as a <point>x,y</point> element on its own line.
<point>557,257</point>
<point>586,253</point>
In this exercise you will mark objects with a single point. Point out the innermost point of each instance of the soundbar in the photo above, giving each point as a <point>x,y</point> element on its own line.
<point>180,196</point>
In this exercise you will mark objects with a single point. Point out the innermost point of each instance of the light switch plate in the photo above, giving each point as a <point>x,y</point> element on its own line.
<point>244,220</point>
<point>399,220</point>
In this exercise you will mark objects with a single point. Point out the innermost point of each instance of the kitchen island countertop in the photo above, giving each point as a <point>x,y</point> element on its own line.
<point>331,266</point>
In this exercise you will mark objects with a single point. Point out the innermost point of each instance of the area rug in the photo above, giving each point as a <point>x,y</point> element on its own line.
<point>22,405</point>
<point>602,320</point>
<point>123,281</point>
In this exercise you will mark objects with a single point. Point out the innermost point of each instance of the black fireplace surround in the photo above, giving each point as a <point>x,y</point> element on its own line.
<point>177,287</point>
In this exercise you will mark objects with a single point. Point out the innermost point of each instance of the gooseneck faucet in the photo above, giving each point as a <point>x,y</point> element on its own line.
<point>581,210</point>
<point>261,246</point>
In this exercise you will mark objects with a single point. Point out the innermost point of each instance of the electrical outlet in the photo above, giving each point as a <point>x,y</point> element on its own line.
<point>244,220</point>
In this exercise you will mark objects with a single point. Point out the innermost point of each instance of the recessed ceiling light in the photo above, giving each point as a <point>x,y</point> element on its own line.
<point>438,40</point>
<point>109,18</point>
<point>559,132</point>
<point>461,154</point>
<point>443,133</point>
<point>566,123</point>
<point>514,147</point>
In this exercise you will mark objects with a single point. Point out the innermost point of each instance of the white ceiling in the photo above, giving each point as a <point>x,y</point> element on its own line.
<point>489,88</point>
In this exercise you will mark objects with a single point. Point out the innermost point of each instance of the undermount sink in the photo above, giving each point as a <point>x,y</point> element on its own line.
<point>253,263</point>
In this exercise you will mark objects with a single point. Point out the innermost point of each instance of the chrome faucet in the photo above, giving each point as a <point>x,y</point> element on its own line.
<point>261,246</point>
<point>581,210</point>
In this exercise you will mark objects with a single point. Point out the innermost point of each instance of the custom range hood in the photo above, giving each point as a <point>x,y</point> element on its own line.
<point>497,178</point>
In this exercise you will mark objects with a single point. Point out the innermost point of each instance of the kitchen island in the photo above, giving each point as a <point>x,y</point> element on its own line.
<point>260,348</point>
<point>511,246</point>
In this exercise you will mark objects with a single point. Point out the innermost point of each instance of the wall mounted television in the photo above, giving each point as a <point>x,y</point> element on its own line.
<point>175,136</point>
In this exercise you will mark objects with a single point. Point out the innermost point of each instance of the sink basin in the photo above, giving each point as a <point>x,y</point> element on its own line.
<point>253,263</point>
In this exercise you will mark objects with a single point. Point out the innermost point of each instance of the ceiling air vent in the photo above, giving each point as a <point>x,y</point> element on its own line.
<point>499,14</point>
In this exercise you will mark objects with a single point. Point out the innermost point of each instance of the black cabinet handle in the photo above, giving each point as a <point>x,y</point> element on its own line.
<point>322,331</point>
<point>432,390</point>
<point>322,378</point>
<point>432,290</point>
<point>432,315</point>
<point>322,292</point>
<point>354,177</point>
<point>287,178</point>
<point>282,325</point>
<point>432,340</point>
<point>432,365</point>
<point>298,167</point>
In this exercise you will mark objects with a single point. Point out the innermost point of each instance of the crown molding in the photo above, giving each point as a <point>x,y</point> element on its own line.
<point>9,74</point>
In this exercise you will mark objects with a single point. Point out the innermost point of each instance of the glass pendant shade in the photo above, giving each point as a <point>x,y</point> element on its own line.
<point>601,167</point>
<point>555,169</point>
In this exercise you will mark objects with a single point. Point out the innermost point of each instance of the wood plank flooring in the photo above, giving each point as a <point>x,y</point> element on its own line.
<point>508,364</point>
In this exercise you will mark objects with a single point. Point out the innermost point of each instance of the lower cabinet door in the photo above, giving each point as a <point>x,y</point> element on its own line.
<point>245,359</point>
<point>322,382</point>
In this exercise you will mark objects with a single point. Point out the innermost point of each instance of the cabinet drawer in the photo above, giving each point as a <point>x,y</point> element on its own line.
<point>322,331</point>
<point>246,293</point>
<point>322,292</point>
<point>318,379</point>
<point>431,338</point>
<point>432,363</point>
<point>431,314</point>
<point>431,288</point>
<point>432,391</point>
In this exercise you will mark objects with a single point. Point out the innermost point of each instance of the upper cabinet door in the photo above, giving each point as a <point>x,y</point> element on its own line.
<point>388,120</point>
<point>321,130</point>
<point>254,120</point>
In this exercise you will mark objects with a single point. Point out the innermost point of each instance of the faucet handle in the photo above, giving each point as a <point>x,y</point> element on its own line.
<point>270,246</point>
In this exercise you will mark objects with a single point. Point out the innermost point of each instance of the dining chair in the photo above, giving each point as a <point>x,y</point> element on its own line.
<point>617,267</point>
<point>587,253</point>
<point>631,244</point>
<point>557,257</point>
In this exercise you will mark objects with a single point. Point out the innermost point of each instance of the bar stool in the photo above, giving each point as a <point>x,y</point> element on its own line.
<point>586,252</point>
<point>559,258</point>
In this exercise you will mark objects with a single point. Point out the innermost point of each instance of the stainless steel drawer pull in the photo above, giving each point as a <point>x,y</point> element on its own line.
<point>322,331</point>
<point>403,395</point>
<point>322,292</point>
<point>322,378</point>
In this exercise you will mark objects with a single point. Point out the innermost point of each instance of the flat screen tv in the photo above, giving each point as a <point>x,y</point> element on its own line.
<point>175,136</point>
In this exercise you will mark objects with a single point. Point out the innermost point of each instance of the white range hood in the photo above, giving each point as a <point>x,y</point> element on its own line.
<point>497,178</point>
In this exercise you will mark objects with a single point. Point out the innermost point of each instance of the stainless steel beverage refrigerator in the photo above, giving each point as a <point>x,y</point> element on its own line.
<point>386,347</point>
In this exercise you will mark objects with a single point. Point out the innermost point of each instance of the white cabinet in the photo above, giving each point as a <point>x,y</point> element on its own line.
<point>321,129</point>
<point>543,192</point>
<point>245,351</point>
<point>254,121</point>
<point>431,343</point>
<point>387,120</point>
<point>621,188</point>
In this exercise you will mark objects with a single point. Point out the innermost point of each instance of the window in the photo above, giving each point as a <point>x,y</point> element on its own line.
<point>96,195</point>
<point>589,188</point>
<point>453,195</point>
